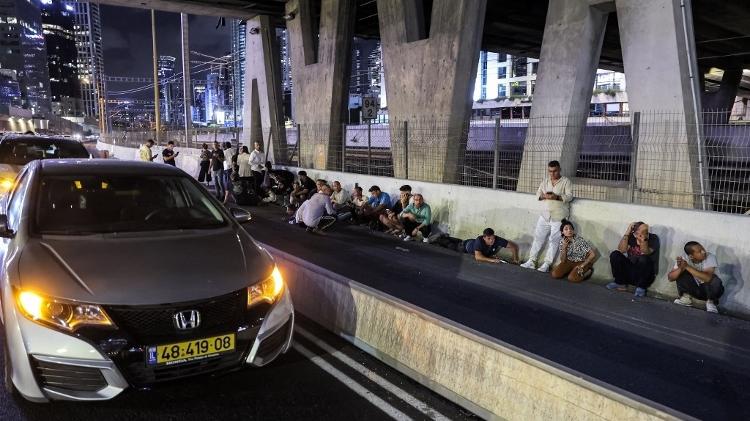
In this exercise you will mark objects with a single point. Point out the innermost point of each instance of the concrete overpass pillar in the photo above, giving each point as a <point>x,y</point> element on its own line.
<point>569,57</point>
<point>430,78</point>
<point>262,114</point>
<point>658,51</point>
<point>320,54</point>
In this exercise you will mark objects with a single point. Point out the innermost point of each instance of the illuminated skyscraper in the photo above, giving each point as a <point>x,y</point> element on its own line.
<point>88,33</point>
<point>58,21</point>
<point>23,50</point>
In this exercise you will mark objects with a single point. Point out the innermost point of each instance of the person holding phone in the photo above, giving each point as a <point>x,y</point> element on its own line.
<point>144,152</point>
<point>577,256</point>
<point>555,192</point>
<point>169,155</point>
<point>636,260</point>
<point>390,218</point>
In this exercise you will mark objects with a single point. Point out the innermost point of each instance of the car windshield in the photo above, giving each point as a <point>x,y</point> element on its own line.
<point>21,151</point>
<point>80,205</point>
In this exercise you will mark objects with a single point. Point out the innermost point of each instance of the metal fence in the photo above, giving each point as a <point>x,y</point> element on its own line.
<point>654,158</point>
<point>134,139</point>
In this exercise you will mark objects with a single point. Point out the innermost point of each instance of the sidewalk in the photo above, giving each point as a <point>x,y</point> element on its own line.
<point>687,359</point>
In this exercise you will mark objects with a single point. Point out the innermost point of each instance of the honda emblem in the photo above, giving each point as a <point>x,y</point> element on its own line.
<point>188,319</point>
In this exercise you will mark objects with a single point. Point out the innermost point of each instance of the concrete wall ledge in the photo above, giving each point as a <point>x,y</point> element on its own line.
<point>489,377</point>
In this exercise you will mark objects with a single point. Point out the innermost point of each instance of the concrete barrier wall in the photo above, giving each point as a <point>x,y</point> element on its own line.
<point>465,211</point>
<point>489,377</point>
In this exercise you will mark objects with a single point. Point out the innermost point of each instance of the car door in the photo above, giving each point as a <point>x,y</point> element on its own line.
<point>12,207</point>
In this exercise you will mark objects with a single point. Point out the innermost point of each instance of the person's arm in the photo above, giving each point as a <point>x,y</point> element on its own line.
<point>677,270</point>
<point>588,262</point>
<point>540,193</point>
<point>513,247</point>
<point>702,276</point>
<point>567,193</point>
<point>622,247</point>
<point>427,216</point>
<point>329,206</point>
<point>479,257</point>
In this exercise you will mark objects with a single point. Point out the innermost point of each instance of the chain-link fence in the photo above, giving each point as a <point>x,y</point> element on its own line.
<point>134,139</point>
<point>656,158</point>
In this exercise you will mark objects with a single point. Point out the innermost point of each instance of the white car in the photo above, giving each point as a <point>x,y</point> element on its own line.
<point>118,274</point>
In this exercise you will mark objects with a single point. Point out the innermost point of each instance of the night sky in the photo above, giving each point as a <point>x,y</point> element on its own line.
<point>126,37</point>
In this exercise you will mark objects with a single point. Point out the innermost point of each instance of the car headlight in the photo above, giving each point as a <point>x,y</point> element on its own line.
<point>62,314</point>
<point>6,184</point>
<point>267,290</point>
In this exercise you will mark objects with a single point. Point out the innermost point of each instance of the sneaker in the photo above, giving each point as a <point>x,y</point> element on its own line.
<point>426,240</point>
<point>685,300</point>
<point>613,285</point>
<point>640,292</point>
<point>528,265</point>
<point>408,238</point>
<point>711,307</point>
<point>544,267</point>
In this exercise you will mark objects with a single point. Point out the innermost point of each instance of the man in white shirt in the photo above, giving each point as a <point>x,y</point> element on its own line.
<point>340,198</point>
<point>555,193</point>
<point>694,273</point>
<point>316,213</point>
<point>256,165</point>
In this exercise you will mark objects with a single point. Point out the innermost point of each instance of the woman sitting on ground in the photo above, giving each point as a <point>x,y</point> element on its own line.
<point>635,262</point>
<point>577,256</point>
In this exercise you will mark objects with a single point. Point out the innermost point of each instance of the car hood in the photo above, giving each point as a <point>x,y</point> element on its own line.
<point>143,270</point>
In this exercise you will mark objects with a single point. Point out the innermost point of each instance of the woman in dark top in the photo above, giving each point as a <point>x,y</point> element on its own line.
<point>577,256</point>
<point>205,174</point>
<point>635,260</point>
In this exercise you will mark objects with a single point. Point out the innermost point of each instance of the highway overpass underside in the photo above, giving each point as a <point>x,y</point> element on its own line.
<point>430,53</point>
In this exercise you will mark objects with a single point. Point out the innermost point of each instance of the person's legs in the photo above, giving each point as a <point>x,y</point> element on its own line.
<point>687,288</point>
<point>620,268</point>
<point>553,242</point>
<point>203,171</point>
<point>575,276</point>
<point>643,272</point>
<point>563,269</point>
<point>426,230</point>
<point>540,234</point>
<point>714,289</point>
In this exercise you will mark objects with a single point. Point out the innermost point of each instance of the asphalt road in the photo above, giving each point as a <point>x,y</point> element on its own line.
<point>685,359</point>
<point>321,377</point>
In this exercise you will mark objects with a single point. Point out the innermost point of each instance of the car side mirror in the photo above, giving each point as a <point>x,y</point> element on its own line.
<point>5,231</point>
<point>241,215</point>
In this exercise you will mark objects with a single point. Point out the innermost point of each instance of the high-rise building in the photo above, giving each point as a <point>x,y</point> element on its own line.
<point>23,50</point>
<point>58,22</point>
<point>169,91</point>
<point>239,45</point>
<point>199,103</point>
<point>286,71</point>
<point>504,76</point>
<point>214,98</point>
<point>10,90</point>
<point>88,33</point>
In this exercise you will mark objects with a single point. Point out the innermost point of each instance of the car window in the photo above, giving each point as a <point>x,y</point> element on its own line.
<point>79,205</point>
<point>15,201</point>
<point>21,151</point>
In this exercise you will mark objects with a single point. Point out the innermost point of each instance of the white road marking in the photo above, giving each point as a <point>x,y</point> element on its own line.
<point>385,384</point>
<point>351,384</point>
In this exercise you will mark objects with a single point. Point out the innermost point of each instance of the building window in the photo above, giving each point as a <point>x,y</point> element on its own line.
<point>519,67</point>
<point>502,58</point>
<point>502,90</point>
<point>534,68</point>
<point>502,72</point>
<point>518,89</point>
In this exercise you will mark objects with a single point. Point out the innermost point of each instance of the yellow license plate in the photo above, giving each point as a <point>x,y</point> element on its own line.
<point>197,349</point>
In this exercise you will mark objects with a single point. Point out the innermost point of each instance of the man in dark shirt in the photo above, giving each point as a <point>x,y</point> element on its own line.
<point>485,247</point>
<point>306,190</point>
<point>169,155</point>
<point>217,170</point>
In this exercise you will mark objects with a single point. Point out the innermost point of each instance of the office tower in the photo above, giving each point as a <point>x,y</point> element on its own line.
<point>88,33</point>
<point>58,22</point>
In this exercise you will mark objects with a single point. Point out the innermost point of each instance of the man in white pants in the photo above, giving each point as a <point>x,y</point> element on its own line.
<point>555,193</point>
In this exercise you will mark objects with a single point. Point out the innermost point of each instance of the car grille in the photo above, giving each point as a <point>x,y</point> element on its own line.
<point>271,345</point>
<point>69,377</point>
<point>150,323</point>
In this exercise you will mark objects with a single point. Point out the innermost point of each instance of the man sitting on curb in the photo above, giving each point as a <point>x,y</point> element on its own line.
<point>485,247</point>
<point>416,219</point>
<point>315,213</point>
<point>377,204</point>
<point>695,277</point>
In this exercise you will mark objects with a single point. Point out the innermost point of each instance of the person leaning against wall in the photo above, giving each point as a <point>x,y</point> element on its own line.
<point>636,260</point>
<point>694,273</point>
<point>555,192</point>
<point>577,256</point>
